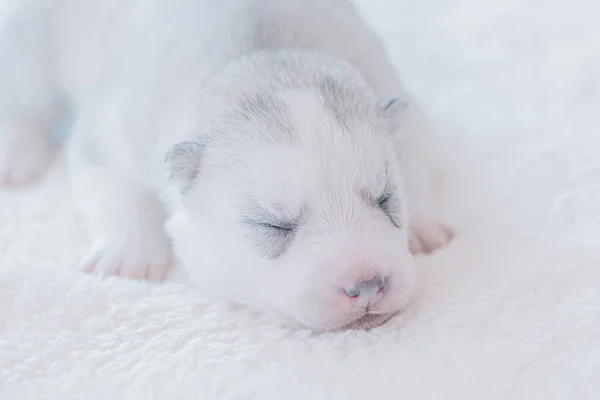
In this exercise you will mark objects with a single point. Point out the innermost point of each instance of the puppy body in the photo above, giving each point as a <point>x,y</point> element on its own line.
<point>274,136</point>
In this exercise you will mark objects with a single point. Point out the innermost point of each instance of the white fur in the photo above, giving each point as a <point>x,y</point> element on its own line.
<point>163,75</point>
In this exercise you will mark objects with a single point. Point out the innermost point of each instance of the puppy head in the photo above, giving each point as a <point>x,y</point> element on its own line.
<point>292,202</point>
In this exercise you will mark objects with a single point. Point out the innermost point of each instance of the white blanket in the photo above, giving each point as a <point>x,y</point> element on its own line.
<point>511,310</point>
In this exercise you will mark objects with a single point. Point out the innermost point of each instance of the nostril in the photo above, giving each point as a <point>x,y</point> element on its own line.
<point>367,288</point>
<point>352,292</point>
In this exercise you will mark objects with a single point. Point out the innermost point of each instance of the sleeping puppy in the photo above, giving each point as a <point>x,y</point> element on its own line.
<point>268,146</point>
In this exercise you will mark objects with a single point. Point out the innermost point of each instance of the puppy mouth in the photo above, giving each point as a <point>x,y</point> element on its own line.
<point>367,322</point>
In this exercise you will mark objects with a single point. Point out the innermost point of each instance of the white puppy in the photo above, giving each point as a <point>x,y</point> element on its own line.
<point>273,136</point>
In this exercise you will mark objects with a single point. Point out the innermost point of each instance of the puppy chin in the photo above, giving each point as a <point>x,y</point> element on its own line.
<point>367,322</point>
<point>363,323</point>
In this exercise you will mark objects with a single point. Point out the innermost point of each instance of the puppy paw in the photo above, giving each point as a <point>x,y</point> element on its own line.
<point>426,237</point>
<point>143,261</point>
<point>24,157</point>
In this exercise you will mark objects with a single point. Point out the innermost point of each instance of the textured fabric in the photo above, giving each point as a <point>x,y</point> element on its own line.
<point>511,310</point>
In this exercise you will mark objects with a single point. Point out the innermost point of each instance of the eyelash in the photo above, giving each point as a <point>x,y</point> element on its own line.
<point>272,239</point>
<point>383,201</point>
<point>280,227</point>
<point>386,204</point>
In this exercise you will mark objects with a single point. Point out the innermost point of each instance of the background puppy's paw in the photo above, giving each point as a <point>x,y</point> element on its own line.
<point>428,236</point>
<point>151,261</point>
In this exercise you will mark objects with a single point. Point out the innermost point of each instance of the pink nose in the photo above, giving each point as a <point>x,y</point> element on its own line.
<point>367,293</point>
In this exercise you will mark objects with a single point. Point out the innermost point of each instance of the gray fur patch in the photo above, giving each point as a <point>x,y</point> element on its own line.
<point>267,110</point>
<point>182,164</point>
<point>341,100</point>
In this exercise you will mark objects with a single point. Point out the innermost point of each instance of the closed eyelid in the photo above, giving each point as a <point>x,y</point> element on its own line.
<point>386,201</point>
<point>271,231</point>
<point>270,242</point>
<point>384,196</point>
<point>271,234</point>
<point>277,214</point>
<point>374,198</point>
<point>258,215</point>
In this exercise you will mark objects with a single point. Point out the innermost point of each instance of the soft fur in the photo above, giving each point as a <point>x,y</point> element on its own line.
<point>274,136</point>
<point>508,311</point>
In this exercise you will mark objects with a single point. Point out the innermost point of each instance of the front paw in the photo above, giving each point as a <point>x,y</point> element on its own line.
<point>150,260</point>
<point>426,237</point>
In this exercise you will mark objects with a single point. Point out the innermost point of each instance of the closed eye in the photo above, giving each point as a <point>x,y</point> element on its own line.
<point>389,204</point>
<point>284,227</point>
<point>271,233</point>
<point>271,239</point>
<point>383,200</point>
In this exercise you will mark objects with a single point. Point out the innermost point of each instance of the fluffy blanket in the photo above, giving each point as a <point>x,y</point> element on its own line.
<point>510,310</point>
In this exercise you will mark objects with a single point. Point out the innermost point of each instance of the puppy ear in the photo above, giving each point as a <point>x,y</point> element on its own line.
<point>394,112</point>
<point>183,164</point>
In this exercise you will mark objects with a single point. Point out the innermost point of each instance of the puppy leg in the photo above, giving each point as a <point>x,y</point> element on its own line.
<point>125,220</point>
<point>28,100</point>
<point>423,180</point>
<point>26,150</point>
